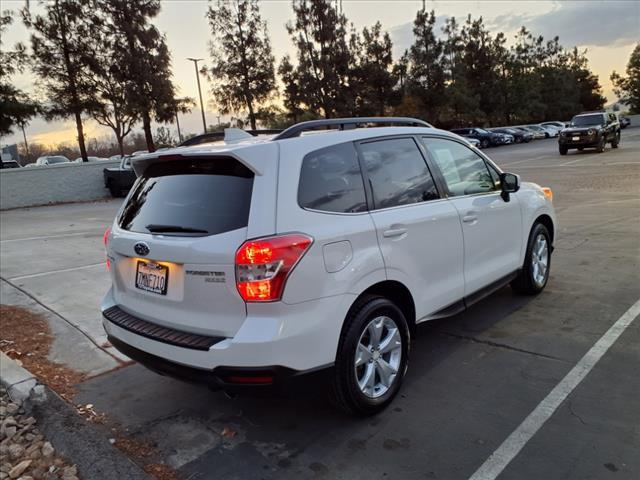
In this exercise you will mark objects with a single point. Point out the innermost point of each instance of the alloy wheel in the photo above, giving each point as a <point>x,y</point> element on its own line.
<point>378,356</point>
<point>540,260</point>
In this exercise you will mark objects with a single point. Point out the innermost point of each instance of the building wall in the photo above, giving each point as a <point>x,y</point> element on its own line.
<point>76,182</point>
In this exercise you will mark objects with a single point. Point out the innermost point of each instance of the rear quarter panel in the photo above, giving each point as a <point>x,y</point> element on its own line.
<point>352,234</point>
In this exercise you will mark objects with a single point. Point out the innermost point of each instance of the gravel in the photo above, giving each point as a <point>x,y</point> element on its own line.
<point>24,452</point>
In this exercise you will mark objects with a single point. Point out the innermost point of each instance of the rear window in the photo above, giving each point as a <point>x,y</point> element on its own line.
<point>190,197</point>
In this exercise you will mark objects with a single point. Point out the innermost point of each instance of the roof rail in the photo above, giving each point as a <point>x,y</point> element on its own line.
<point>217,136</point>
<point>347,124</point>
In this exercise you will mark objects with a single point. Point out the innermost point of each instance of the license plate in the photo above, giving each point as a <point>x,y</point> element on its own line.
<point>152,277</point>
<point>575,139</point>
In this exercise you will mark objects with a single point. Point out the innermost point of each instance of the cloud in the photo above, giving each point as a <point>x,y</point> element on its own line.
<point>593,23</point>
<point>601,23</point>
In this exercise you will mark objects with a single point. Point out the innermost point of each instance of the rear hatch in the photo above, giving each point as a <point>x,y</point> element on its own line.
<point>172,248</point>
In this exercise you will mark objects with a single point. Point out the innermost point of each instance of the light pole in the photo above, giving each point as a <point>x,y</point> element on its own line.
<point>195,64</point>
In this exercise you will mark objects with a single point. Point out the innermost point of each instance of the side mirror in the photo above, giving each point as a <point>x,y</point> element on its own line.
<point>510,183</point>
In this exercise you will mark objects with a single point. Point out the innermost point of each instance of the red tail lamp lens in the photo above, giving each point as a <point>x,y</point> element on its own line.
<point>250,380</point>
<point>263,265</point>
<point>105,239</point>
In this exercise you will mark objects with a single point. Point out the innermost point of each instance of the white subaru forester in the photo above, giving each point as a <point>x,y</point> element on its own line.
<point>253,261</point>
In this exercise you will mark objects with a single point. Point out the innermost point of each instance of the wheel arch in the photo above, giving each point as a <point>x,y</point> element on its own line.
<point>547,221</point>
<point>397,293</point>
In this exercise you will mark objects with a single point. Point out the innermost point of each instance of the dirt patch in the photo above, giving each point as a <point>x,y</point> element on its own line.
<point>143,453</point>
<point>25,337</point>
<point>160,471</point>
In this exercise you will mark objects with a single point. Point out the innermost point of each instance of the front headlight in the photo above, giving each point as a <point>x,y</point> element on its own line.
<point>591,132</point>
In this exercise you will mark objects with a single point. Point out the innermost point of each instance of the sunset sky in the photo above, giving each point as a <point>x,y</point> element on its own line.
<point>608,29</point>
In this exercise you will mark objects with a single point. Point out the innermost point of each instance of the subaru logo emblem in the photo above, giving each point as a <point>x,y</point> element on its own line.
<point>141,248</point>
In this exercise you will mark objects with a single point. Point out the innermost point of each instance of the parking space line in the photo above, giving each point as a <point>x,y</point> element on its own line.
<point>515,442</point>
<point>46,237</point>
<point>72,269</point>
<point>575,161</point>
<point>564,165</point>
<point>519,161</point>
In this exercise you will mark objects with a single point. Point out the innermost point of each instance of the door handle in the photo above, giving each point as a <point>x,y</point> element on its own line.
<point>394,232</point>
<point>469,218</point>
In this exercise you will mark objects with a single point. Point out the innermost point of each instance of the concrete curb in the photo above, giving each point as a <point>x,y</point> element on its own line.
<point>16,379</point>
<point>85,444</point>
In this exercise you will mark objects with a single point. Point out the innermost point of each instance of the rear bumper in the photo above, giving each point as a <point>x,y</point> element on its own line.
<point>268,379</point>
<point>298,337</point>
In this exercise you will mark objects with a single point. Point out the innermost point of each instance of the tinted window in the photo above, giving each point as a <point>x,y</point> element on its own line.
<point>330,180</point>
<point>584,120</point>
<point>398,173</point>
<point>210,196</point>
<point>464,172</point>
<point>53,160</point>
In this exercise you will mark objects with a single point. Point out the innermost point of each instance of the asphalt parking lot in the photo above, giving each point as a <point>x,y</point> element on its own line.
<point>472,379</point>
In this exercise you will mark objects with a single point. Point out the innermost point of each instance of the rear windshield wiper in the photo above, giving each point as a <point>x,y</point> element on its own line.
<point>155,228</point>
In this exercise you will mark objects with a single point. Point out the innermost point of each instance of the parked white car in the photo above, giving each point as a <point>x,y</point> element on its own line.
<point>548,131</point>
<point>52,160</point>
<point>556,124</point>
<point>252,263</point>
<point>91,159</point>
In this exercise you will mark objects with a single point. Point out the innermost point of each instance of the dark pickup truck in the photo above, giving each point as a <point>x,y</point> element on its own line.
<point>119,180</point>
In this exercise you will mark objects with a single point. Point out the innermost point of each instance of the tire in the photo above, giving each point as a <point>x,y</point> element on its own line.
<point>359,332</point>
<point>580,149</point>
<point>563,150</point>
<point>115,191</point>
<point>484,143</point>
<point>601,145</point>
<point>531,280</point>
<point>616,141</point>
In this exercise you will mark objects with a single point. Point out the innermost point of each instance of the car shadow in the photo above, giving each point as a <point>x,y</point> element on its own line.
<point>155,408</point>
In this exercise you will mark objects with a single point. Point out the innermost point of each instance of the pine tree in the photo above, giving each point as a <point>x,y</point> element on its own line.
<point>242,68</point>
<point>16,108</point>
<point>319,34</point>
<point>426,74</point>
<point>142,60</point>
<point>372,79</point>
<point>60,56</point>
<point>628,88</point>
<point>292,95</point>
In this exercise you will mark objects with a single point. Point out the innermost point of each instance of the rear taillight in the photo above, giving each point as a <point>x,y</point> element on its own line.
<point>105,239</point>
<point>263,265</point>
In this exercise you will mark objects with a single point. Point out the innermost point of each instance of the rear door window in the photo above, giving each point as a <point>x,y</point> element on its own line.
<point>331,181</point>
<point>190,197</point>
<point>398,173</point>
